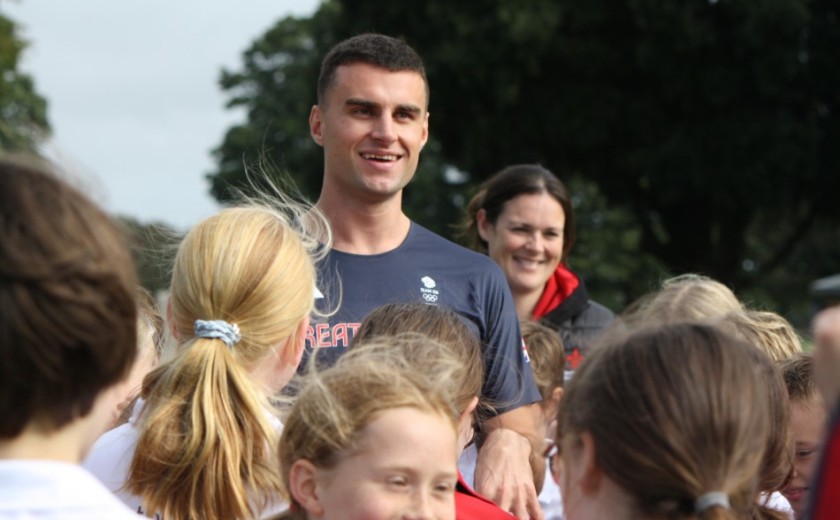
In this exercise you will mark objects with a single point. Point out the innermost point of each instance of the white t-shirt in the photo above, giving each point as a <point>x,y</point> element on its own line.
<point>778,502</point>
<point>550,500</point>
<point>52,490</point>
<point>110,459</point>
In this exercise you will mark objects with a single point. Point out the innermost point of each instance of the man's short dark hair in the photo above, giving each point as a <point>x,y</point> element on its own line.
<point>392,54</point>
<point>67,311</point>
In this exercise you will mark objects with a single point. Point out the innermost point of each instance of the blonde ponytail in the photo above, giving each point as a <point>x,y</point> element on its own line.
<point>205,424</point>
<point>207,445</point>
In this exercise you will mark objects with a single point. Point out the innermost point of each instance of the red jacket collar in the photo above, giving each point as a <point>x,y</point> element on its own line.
<point>560,285</point>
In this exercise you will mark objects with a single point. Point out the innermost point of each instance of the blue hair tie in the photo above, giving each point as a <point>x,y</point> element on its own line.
<point>711,499</point>
<point>227,332</point>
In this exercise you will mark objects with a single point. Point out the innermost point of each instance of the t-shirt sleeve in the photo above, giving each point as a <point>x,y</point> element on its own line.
<point>509,381</point>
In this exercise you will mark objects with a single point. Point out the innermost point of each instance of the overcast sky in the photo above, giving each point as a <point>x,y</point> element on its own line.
<point>132,87</point>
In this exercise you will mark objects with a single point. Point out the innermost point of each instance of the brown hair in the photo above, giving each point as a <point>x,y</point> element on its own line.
<point>774,339</point>
<point>379,50</point>
<point>798,373</point>
<point>766,330</point>
<point>439,324</point>
<point>150,327</point>
<point>777,466</point>
<point>509,183</point>
<point>67,313</point>
<point>676,412</point>
<point>547,355</point>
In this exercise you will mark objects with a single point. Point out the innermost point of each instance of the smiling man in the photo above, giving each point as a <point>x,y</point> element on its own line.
<point>372,120</point>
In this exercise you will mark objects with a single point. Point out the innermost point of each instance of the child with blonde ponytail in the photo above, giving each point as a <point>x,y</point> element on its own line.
<point>373,438</point>
<point>201,443</point>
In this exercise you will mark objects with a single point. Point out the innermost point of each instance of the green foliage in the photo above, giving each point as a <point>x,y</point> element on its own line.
<point>277,88</point>
<point>785,289</point>
<point>23,112</point>
<point>607,252</point>
<point>710,127</point>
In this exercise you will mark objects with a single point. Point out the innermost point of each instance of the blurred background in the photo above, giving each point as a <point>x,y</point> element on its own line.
<point>695,135</point>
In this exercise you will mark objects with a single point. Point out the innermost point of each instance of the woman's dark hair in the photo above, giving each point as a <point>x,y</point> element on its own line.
<point>511,182</point>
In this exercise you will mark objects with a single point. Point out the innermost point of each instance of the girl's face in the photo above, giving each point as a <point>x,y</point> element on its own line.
<point>807,425</point>
<point>526,240</point>
<point>404,467</point>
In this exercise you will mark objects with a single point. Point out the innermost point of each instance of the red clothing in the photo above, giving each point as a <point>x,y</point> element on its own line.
<point>559,286</point>
<point>469,505</point>
<point>565,306</point>
<point>825,503</point>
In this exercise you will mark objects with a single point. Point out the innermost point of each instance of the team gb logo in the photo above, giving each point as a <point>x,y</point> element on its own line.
<point>430,294</point>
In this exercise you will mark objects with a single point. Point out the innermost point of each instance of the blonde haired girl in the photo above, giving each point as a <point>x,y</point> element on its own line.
<point>201,444</point>
<point>687,297</point>
<point>372,437</point>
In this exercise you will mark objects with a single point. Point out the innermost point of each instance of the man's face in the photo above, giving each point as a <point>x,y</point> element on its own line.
<point>372,125</point>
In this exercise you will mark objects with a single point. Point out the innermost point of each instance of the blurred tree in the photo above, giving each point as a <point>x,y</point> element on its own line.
<point>153,248</point>
<point>709,126</point>
<point>607,251</point>
<point>23,112</point>
<point>276,88</point>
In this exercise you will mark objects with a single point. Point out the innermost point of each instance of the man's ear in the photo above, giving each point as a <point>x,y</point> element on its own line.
<point>482,224</point>
<point>425,136</point>
<point>303,486</point>
<point>316,129</point>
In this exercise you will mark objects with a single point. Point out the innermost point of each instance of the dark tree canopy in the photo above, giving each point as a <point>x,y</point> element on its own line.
<point>23,112</point>
<point>711,127</point>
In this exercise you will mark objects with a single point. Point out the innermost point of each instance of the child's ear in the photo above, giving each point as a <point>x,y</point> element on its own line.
<point>466,433</point>
<point>482,224</point>
<point>303,486</point>
<point>588,474</point>
<point>556,396</point>
<point>550,410</point>
<point>470,407</point>
<point>592,475</point>
<point>293,353</point>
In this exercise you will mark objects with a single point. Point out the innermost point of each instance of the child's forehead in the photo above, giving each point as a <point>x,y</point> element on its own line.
<point>810,409</point>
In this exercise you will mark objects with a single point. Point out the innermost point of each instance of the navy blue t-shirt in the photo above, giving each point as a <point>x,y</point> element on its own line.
<point>428,268</point>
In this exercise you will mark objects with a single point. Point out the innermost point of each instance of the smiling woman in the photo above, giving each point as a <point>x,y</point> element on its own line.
<point>522,217</point>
